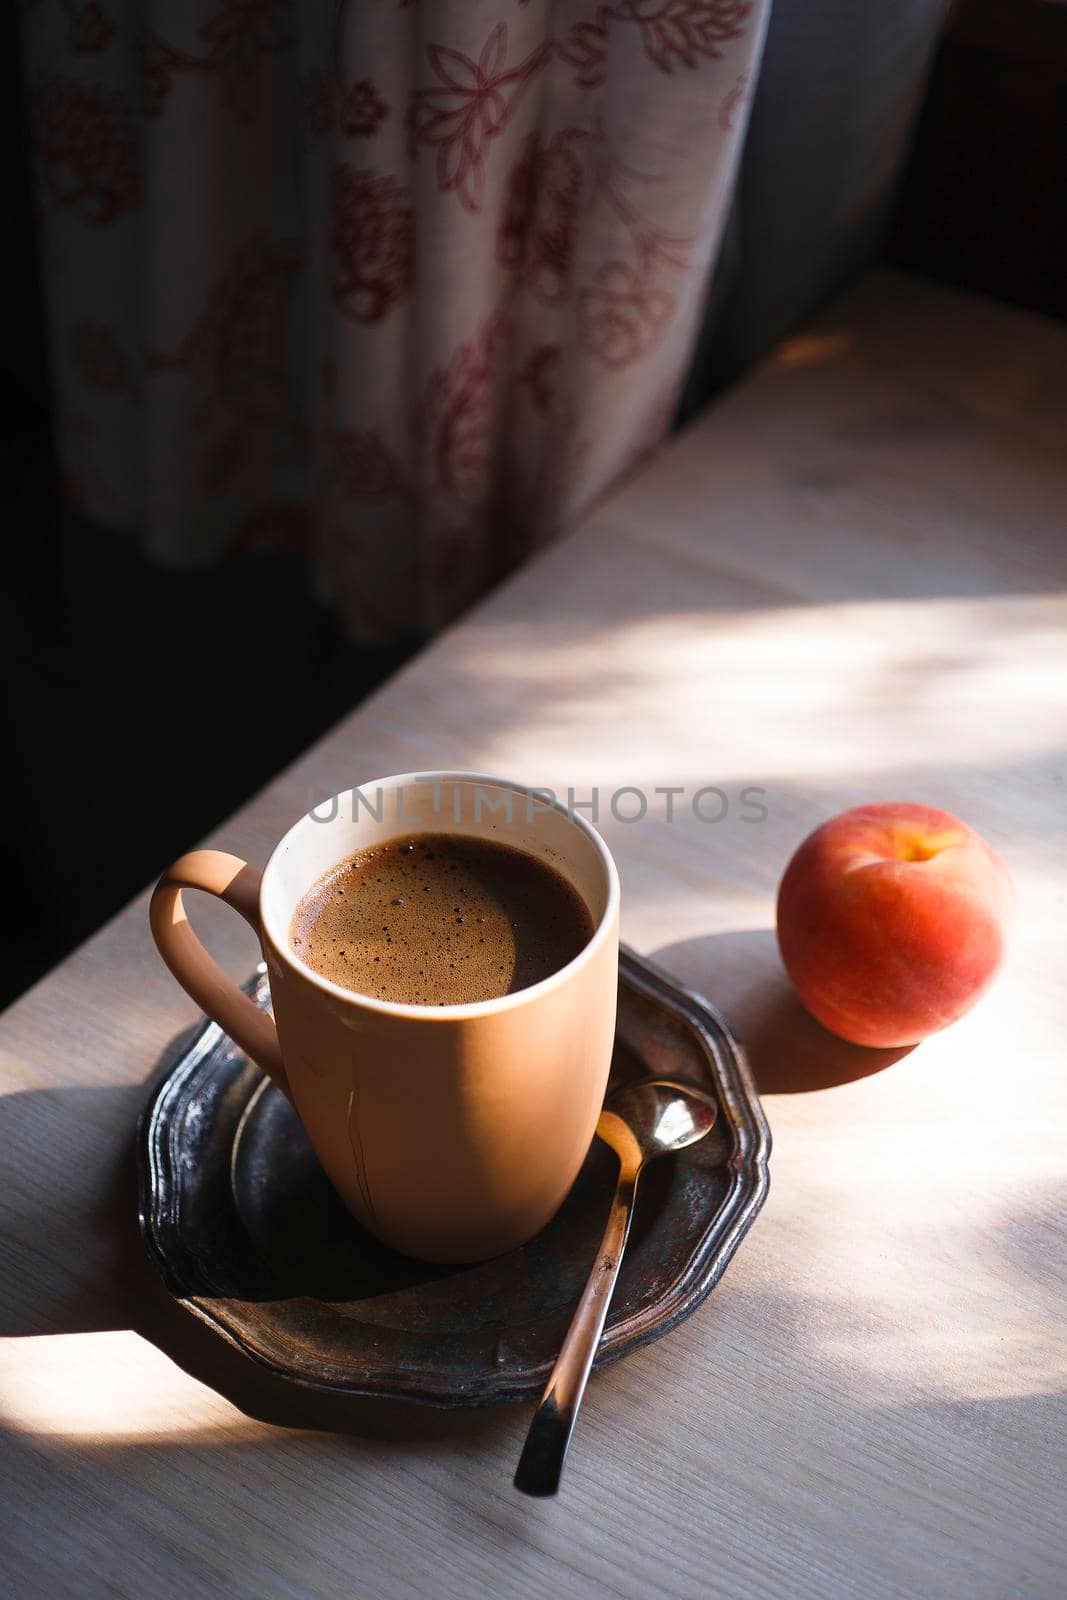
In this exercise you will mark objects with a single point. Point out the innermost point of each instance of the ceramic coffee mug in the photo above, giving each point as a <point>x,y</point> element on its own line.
<point>451,1132</point>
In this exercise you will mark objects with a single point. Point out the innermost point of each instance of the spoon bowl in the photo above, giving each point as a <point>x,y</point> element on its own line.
<point>655,1119</point>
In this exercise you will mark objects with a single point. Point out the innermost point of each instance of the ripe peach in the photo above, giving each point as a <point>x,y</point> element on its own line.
<point>891,921</point>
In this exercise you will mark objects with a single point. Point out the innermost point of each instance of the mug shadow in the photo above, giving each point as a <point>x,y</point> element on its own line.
<point>104,1281</point>
<point>790,1053</point>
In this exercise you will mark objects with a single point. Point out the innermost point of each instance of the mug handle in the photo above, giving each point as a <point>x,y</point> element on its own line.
<point>199,974</point>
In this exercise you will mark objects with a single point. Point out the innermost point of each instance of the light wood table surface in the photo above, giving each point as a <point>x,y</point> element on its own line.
<point>844,583</point>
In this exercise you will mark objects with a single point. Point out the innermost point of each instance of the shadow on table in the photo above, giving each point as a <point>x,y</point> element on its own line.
<point>75,1174</point>
<point>77,1178</point>
<point>789,1051</point>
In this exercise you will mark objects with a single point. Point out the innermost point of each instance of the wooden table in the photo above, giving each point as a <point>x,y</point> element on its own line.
<point>846,582</point>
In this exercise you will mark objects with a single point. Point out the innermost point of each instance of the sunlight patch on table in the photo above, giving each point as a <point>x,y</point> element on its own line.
<point>113,1386</point>
<point>805,691</point>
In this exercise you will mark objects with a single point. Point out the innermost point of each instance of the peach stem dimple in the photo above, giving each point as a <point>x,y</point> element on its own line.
<point>922,846</point>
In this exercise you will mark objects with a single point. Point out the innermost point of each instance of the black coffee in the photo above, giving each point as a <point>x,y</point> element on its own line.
<point>440,920</point>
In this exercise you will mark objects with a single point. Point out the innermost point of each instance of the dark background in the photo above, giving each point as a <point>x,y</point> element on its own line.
<point>132,695</point>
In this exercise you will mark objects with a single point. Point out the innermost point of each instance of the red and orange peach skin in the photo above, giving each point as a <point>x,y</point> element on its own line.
<point>892,921</point>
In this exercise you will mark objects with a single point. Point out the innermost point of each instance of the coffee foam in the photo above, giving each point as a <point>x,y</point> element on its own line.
<point>440,920</point>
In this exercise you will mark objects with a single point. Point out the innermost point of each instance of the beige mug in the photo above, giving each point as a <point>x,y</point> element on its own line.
<point>452,1132</point>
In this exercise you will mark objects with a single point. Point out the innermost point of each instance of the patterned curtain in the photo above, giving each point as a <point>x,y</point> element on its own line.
<point>404,285</point>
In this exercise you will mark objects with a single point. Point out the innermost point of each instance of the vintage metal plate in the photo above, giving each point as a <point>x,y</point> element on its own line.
<point>251,1238</point>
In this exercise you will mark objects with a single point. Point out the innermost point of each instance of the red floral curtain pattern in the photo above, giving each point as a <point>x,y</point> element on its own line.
<point>402,284</point>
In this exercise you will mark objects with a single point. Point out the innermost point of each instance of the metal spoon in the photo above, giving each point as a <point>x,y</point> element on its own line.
<point>639,1122</point>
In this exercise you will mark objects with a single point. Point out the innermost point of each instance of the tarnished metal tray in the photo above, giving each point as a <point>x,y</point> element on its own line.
<point>251,1238</point>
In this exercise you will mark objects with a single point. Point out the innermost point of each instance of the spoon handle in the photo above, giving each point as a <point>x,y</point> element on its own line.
<point>543,1454</point>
